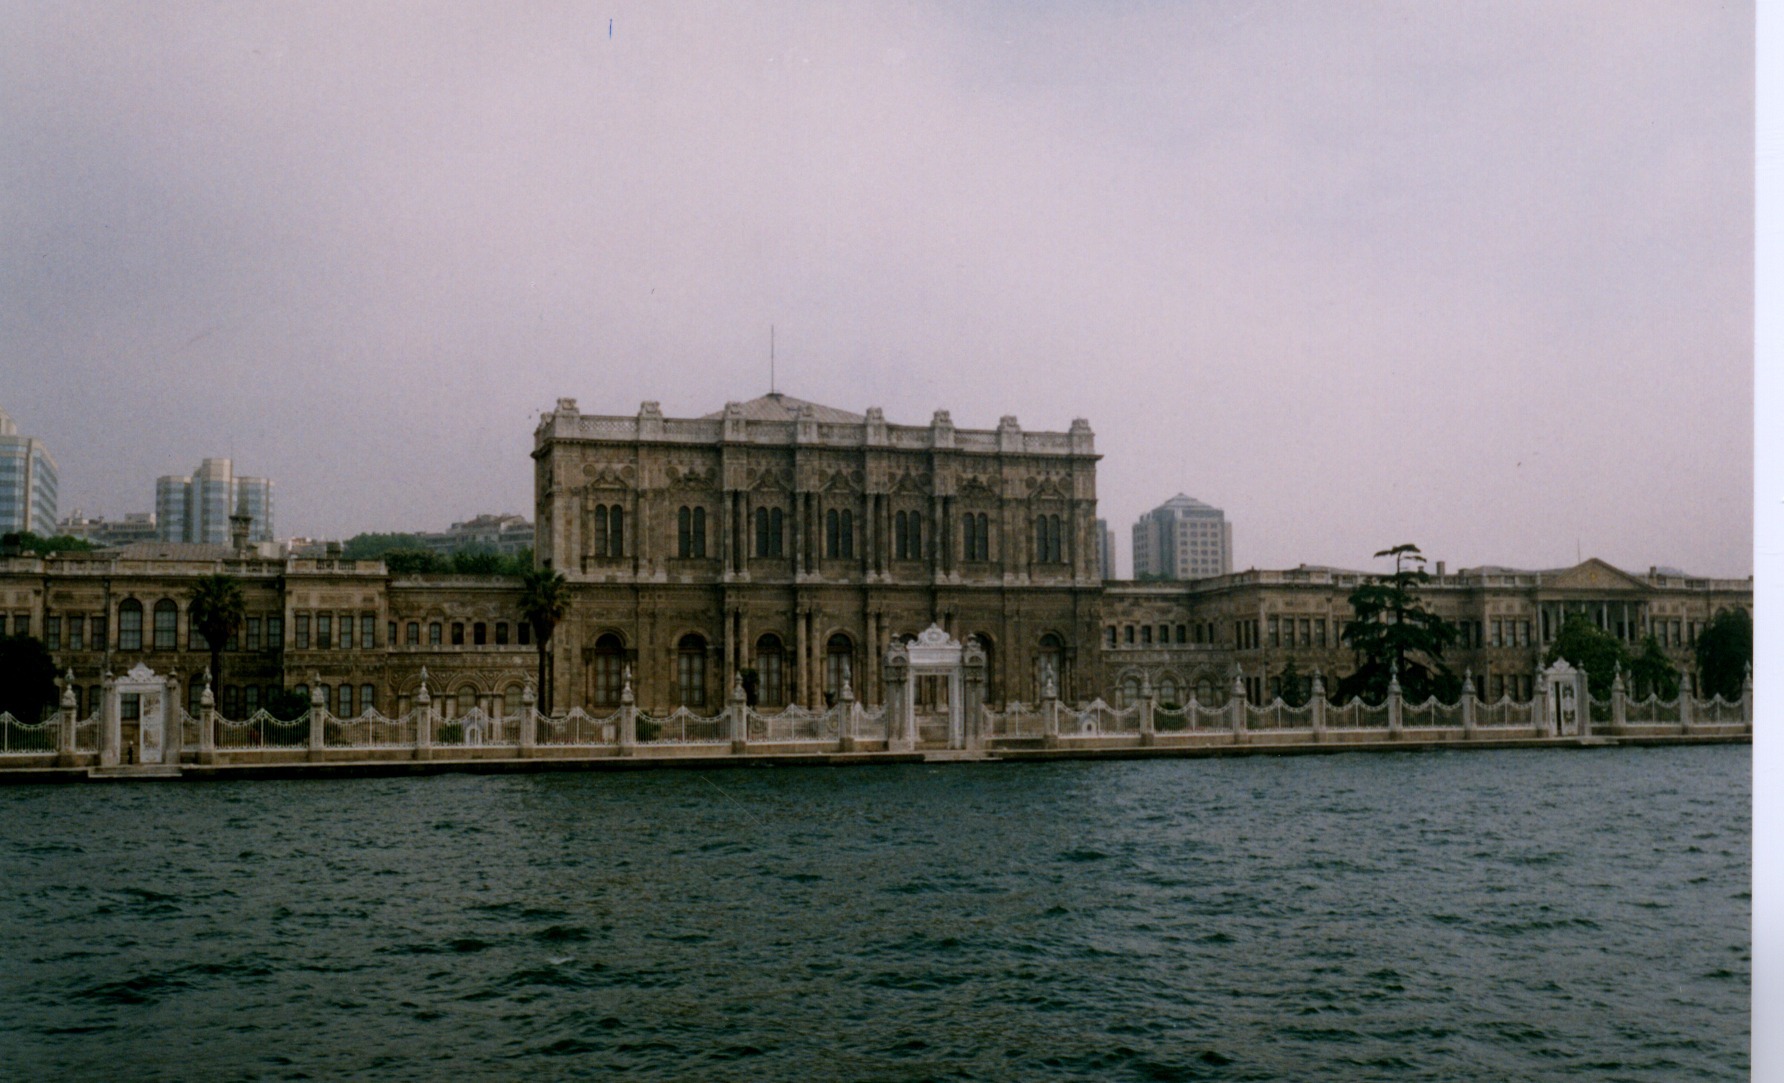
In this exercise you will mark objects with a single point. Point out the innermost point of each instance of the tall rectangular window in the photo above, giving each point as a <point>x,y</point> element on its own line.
<point>458,633</point>
<point>52,633</point>
<point>501,633</point>
<point>1274,638</point>
<point>346,631</point>
<point>302,631</point>
<point>275,633</point>
<point>253,633</point>
<point>433,634</point>
<point>324,631</point>
<point>77,633</point>
<point>345,695</point>
<point>412,633</point>
<point>167,625</point>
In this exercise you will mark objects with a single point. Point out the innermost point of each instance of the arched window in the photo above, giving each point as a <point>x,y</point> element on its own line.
<point>832,534</point>
<point>1050,659</point>
<point>1204,691</point>
<point>1130,691</point>
<point>848,535</point>
<point>1054,540</point>
<point>901,549</point>
<point>130,625</point>
<point>1167,693</point>
<point>610,530</point>
<point>771,672</point>
<point>770,524</point>
<point>690,532</point>
<point>969,535</point>
<point>368,698</point>
<point>839,654</point>
<point>690,671</point>
<point>167,625</point>
<point>610,665</point>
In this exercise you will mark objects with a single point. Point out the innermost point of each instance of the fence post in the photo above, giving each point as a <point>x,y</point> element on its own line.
<point>739,715</point>
<point>1236,705</point>
<point>318,716</point>
<point>1319,703</point>
<point>1049,709</point>
<point>65,732</point>
<point>1468,721</point>
<point>1687,704</point>
<point>424,720</point>
<point>845,722</point>
<point>1747,698</point>
<point>628,716</point>
<point>207,723</point>
<point>1394,702</point>
<point>1619,702</point>
<point>111,728</point>
<point>1148,725</point>
<point>1539,706</point>
<point>529,721</point>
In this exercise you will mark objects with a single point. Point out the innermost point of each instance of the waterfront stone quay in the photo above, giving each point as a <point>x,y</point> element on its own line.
<point>933,710</point>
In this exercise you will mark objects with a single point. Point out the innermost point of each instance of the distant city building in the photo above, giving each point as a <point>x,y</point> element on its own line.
<point>1105,549</point>
<point>1183,538</point>
<point>196,509</point>
<point>505,534</point>
<point>138,526</point>
<point>27,482</point>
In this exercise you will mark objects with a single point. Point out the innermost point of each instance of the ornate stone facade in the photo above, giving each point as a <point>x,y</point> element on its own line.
<point>797,542</point>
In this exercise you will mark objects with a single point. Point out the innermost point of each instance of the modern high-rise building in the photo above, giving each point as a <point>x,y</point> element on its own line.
<point>27,482</point>
<point>196,509</point>
<point>1105,549</point>
<point>1183,538</point>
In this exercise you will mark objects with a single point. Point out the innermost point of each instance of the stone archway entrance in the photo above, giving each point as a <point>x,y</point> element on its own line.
<point>1569,705</point>
<point>934,655</point>
<point>148,703</point>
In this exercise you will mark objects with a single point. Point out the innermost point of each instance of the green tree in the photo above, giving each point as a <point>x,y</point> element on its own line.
<point>1393,633</point>
<point>1589,647</point>
<point>1296,689</point>
<point>27,678</point>
<point>217,609</point>
<point>1652,673</point>
<point>1724,653</point>
<point>415,562</point>
<point>544,600</point>
<point>28,542</point>
<point>373,546</point>
<point>478,562</point>
<point>286,705</point>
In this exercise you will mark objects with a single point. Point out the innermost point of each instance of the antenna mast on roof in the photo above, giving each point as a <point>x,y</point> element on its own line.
<point>771,359</point>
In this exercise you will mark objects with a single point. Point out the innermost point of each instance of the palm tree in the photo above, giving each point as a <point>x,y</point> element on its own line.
<point>544,599</point>
<point>217,611</point>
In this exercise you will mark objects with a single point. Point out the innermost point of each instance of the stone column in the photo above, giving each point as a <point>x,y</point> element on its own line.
<point>529,721</point>
<point>899,722</point>
<point>111,728</point>
<point>973,697</point>
<point>173,730</point>
<point>1395,703</point>
<point>738,714</point>
<point>846,716</point>
<point>70,717</point>
<point>1148,725</point>
<point>1318,703</point>
<point>1619,704</point>
<point>628,716</point>
<point>1236,705</point>
<point>207,723</point>
<point>1049,708</point>
<point>318,716</point>
<point>424,720</point>
<point>1468,704</point>
<point>799,659</point>
<point>1747,698</point>
<point>1687,704</point>
<point>1539,706</point>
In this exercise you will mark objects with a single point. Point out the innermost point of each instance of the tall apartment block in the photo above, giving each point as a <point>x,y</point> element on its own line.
<point>1183,538</point>
<point>1105,549</point>
<point>27,482</point>
<point>197,508</point>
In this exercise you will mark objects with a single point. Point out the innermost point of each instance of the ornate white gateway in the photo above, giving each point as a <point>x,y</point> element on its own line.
<point>1569,708</point>
<point>151,702</point>
<point>934,653</point>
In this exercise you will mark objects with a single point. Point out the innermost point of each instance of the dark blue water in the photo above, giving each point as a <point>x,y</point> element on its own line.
<point>1510,915</point>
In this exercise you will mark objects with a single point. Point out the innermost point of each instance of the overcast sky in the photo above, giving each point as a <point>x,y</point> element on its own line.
<point>1475,276</point>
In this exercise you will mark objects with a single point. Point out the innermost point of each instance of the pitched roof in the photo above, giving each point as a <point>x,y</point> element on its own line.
<point>775,406</point>
<point>160,550</point>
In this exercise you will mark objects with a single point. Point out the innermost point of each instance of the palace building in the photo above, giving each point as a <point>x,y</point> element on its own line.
<point>795,543</point>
